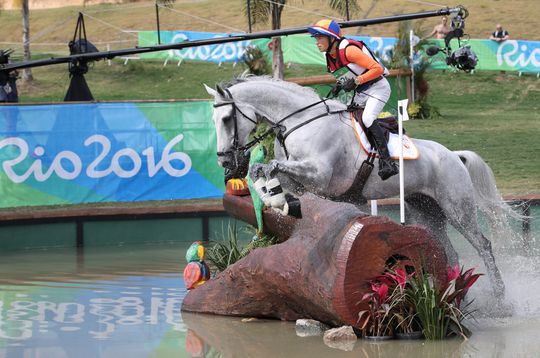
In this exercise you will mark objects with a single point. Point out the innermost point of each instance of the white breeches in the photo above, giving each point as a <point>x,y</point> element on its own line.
<point>373,100</point>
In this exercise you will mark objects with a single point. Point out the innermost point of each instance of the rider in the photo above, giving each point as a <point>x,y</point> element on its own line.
<point>355,68</point>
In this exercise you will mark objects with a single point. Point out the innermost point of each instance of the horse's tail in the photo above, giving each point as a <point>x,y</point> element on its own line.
<point>488,198</point>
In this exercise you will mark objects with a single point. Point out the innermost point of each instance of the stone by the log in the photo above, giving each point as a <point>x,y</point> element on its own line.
<point>310,327</point>
<point>228,337</point>
<point>321,271</point>
<point>342,338</point>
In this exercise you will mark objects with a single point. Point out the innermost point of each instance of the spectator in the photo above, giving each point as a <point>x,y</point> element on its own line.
<point>499,35</point>
<point>440,31</point>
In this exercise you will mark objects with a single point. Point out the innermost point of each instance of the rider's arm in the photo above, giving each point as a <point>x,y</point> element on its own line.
<point>357,56</point>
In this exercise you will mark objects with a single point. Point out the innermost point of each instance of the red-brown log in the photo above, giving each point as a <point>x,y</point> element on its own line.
<point>321,271</point>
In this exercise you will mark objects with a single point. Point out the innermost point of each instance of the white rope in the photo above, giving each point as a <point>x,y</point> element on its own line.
<point>202,19</point>
<point>306,11</point>
<point>121,8</point>
<point>40,34</point>
<point>110,25</point>
<point>427,3</point>
<point>62,43</point>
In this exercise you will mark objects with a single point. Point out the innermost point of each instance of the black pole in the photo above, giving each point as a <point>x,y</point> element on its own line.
<point>249,15</point>
<point>220,40</point>
<point>157,21</point>
<point>347,9</point>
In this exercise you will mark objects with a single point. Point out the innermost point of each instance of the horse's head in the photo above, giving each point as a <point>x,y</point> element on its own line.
<point>234,121</point>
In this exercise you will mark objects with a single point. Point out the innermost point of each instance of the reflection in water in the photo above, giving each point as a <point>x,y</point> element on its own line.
<point>125,301</point>
<point>119,300</point>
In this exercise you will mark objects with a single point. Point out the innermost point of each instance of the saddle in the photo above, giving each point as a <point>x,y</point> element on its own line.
<point>387,122</point>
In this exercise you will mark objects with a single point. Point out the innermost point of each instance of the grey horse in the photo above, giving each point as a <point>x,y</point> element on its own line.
<point>320,154</point>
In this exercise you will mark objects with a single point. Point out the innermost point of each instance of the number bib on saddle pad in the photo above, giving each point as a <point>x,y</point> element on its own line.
<point>410,151</point>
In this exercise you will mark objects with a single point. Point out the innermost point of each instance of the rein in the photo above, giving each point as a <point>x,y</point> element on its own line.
<point>276,127</point>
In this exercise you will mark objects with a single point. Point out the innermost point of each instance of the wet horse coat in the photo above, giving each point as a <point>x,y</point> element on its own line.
<point>323,156</point>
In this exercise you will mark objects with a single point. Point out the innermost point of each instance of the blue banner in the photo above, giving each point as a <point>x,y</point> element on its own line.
<point>97,152</point>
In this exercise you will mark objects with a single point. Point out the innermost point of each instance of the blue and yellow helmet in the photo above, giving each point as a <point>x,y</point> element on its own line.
<point>326,27</point>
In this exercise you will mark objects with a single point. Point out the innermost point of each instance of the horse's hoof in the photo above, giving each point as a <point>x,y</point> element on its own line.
<point>295,208</point>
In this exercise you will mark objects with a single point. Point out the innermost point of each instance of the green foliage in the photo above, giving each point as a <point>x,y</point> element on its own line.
<point>437,311</point>
<point>256,61</point>
<point>400,59</point>
<point>268,141</point>
<point>421,109</point>
<point>341,7</point>
<point>262,11</point>
<point>399,302</point>
<point>166,3</point>
<point>228,250</point>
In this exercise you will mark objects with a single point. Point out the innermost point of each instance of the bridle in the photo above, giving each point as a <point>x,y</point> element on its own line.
<point>239,152</point>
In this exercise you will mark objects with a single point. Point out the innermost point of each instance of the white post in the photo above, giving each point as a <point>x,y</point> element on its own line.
<point>109,49</point>
<point>411,54</point>
<point>402,116</point>
<point>374,207</point>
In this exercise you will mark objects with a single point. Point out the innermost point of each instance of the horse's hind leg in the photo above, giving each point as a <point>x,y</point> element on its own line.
<point>462,214</point>
<point>425,211</point>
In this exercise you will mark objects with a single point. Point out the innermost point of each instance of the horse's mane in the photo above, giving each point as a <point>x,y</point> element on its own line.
<point>291,86</point>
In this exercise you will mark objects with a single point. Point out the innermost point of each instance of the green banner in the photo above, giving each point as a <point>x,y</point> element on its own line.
<point>511,55</point>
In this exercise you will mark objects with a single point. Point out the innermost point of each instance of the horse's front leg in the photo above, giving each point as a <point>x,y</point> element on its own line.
<point>308,174</point>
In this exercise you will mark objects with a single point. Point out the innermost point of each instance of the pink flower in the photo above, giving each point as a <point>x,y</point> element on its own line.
<point>453,273</point>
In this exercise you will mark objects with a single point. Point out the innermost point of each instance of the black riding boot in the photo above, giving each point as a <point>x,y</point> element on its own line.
<point>387,167</point>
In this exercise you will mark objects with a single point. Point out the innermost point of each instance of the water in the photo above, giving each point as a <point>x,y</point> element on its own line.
<point>125,301</point>
<point>109,302</point>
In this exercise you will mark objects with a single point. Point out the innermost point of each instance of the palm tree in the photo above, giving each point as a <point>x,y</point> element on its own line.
<point>344,7</point>
<point>27,72</point>
<point>263,10</point>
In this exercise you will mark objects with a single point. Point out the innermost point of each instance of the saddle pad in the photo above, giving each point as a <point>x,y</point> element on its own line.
<point>410,151</point>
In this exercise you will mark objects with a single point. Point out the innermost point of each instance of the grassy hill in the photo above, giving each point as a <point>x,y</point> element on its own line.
<point>51,29</point>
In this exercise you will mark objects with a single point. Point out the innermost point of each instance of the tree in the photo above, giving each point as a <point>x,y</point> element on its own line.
<point>261,11</point>
<point>345,7</point>
<point>27,72</point>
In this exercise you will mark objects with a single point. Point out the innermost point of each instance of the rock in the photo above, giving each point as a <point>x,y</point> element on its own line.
<point>345,333</point>
<point>310,327</point>
<point>342,338</point>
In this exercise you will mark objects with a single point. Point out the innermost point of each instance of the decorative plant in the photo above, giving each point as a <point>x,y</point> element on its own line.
<point>228,250</point>
<point>438,308</point>
<point>256,61</point>
<point>404,303</point>
<point>403,307</point>
<point>377,319</point>
<point>399,58</point>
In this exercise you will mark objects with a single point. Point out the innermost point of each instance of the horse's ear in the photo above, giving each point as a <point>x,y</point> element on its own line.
<point>212,92</point>
<point>220,91</point>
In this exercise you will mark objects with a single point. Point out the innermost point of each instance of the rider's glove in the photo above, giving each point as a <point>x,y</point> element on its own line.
<point>347,84</point>
<point>336,89</point>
